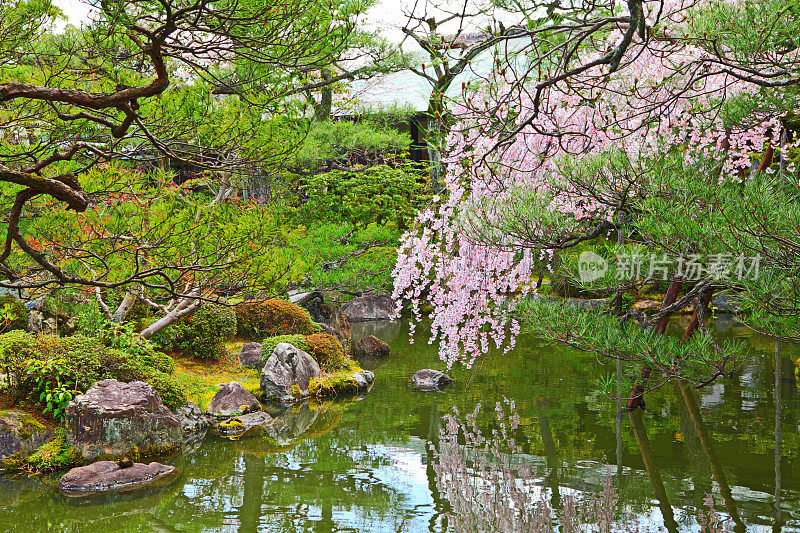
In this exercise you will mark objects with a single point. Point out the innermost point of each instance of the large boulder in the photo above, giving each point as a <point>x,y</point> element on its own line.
<point>191,417</point>
<point>430,380</point>
<point>115,419</point>
<point>110,476</point>
<point>371,346</point>
<point>365,308</point>
<point>242,426</point>
<point>288,367</point>
<point>232,400</point>
<point>21,434</point>
<point>250,356</point>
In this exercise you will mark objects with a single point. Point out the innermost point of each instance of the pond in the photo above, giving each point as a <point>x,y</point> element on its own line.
<point>378,463</point>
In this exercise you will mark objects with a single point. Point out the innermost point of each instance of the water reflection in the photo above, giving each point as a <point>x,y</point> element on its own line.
<point>387,462</point>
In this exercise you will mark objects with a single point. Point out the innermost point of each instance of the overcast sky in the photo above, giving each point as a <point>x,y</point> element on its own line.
<point>387,15</point>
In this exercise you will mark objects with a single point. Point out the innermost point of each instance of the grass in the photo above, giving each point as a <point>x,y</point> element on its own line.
<point>200,378</point>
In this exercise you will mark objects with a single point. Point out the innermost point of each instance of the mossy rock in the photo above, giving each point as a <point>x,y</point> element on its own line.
<point>21,434</point>
<point>354,380</point>
<point>55,455</point>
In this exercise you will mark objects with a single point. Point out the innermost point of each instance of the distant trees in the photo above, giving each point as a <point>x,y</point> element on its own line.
<point>207,85</point>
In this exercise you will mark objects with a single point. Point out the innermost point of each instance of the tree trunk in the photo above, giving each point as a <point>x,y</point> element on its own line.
<point>186,307</point>
<point>636,396</point>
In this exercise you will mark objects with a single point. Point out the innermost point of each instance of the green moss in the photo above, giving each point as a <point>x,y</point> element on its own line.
<point>333,384</point>
<point>199,379</point>
<point>55,455</point>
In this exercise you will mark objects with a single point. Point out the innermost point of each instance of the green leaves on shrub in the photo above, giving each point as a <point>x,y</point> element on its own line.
<point>203,334</point>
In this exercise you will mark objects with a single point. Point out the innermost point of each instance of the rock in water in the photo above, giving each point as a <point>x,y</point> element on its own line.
<point>114,419</point>
<point>286,367</point>
<point>371,346</point>
<point>365,308</point>
<point>250,356</point>
<point>191,417</point>
<point>429,380</point>
<point>21,433</point>
<point>245,425</point>
<point>108,476</point>
<point>232,400</point>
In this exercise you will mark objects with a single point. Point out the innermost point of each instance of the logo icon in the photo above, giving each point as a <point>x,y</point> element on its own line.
<point>591,266</point>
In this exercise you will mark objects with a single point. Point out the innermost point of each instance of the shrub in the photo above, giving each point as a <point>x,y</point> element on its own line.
<point>50,370</point>
<point>13,314</point>
<point>327,351</point>
<point>269,344</point>
<point>258,319</point>
<point>203,334</point>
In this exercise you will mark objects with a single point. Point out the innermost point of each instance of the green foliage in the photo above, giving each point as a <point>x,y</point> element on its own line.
<point>340,140</point>
<point>50,370</point>
<point>327,351</point>
<point>268,345</point>
<point>52,379</point>
<point>342,257</point>
<point>203,334</point>
<point>13,314</point>
<point>380,194</point>
<point>258,319</point>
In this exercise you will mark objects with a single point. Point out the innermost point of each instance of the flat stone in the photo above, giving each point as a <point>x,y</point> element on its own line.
<point>109,476</point>
<point>250,356</point>
<point>371,346</point>
<point>366,308</point>
<point>430,380</point>
<point>232,400</point>
<point>115,419</point>
<point>244,425</point>
<point>287,367</point>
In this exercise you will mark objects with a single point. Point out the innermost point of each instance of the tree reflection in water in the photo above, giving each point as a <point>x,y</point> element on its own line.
<point>491,485</point>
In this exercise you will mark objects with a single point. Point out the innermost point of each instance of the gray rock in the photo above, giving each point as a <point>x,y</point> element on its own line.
<point>250,356</point>
<point>21,433</point>
<point>371,346</point>
<point>115,419</point>
<point>109,476</point>
<point>429,380</point>
<point>314,303</point>
<point>373,307</point>
<point>232,400</point>
<point>286,367</point>
<point>245,425</point>
<point>363,378</point>
<point>191,417</point>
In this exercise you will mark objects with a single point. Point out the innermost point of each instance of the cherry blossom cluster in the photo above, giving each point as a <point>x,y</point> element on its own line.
<point>665,96</point>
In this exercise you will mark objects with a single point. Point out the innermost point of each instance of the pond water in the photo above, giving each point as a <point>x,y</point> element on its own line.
<point>368,464</point>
